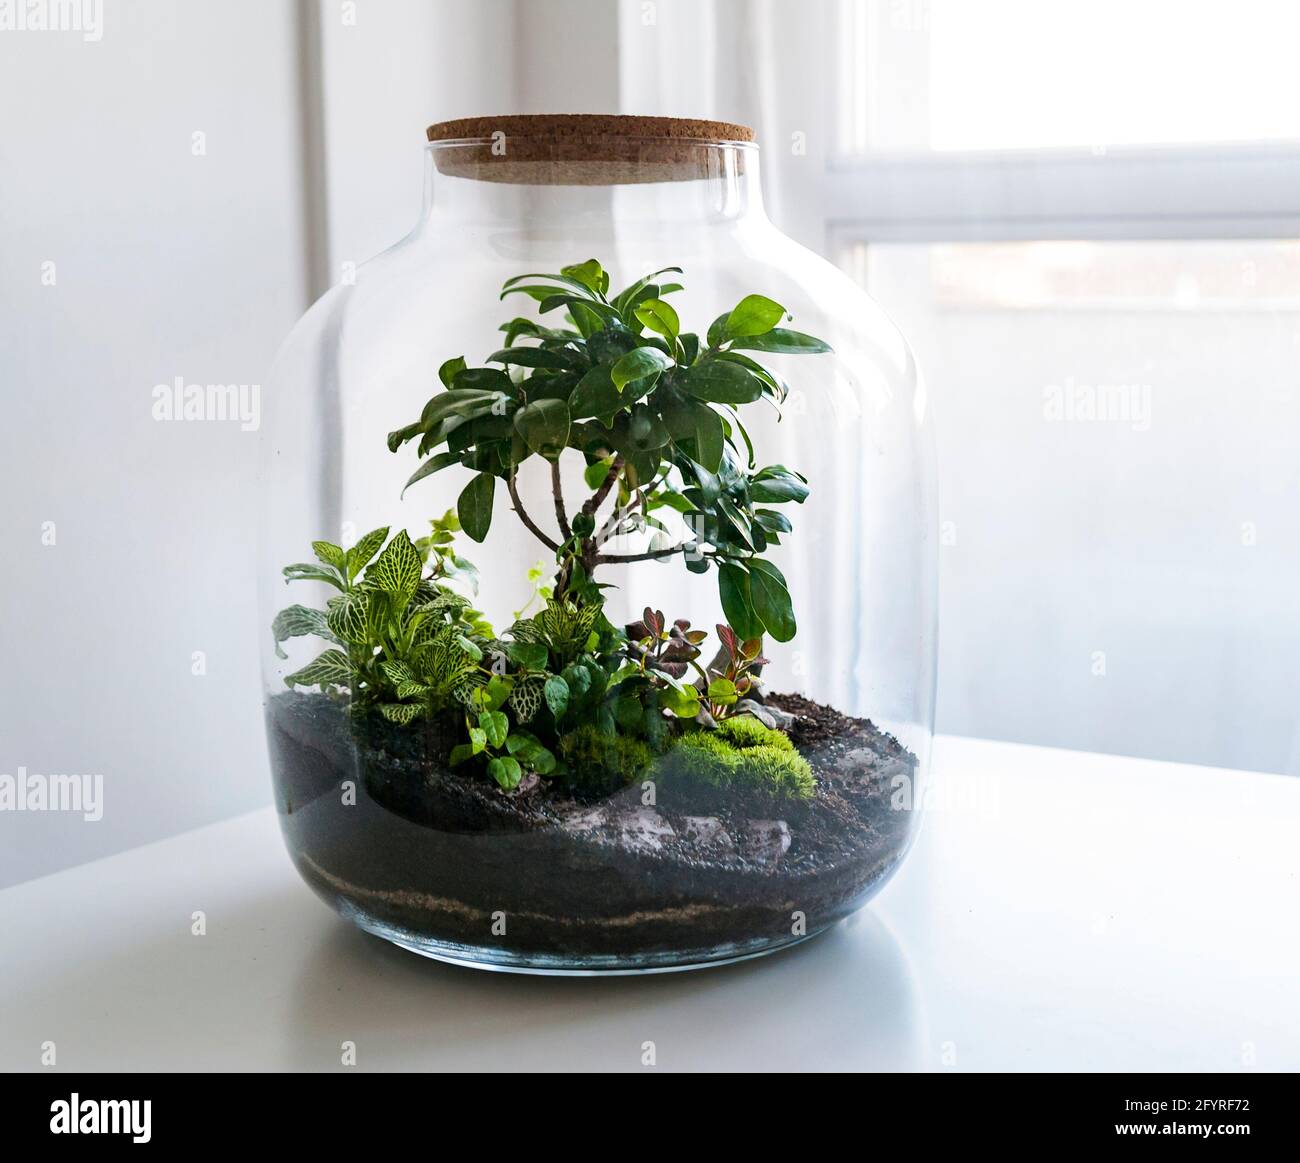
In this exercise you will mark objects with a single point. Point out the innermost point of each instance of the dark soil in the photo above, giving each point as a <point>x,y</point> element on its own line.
<point>445,857</point>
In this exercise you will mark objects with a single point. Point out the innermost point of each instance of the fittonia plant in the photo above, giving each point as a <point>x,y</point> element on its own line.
<point>656,414</point>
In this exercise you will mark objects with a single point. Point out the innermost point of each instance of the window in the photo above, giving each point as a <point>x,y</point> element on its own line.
<point>1025,74</point>
<point>1085,219</point>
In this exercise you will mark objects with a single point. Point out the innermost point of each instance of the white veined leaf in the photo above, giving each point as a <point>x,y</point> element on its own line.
<point>329,669</point>
<point>331,554</point>
<point>396,672</point>
<point>411,690</point>
<point>397,570</point>
<point>348,616</point>
<point>400,713</point>
<point>310,571</point>
<point>360,555</point>
<point>296,621</point>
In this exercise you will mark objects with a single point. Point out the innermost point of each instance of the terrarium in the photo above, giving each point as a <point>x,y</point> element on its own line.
<point>604,511</point>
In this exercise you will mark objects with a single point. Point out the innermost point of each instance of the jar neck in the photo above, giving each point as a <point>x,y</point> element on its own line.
<point>700,183</point>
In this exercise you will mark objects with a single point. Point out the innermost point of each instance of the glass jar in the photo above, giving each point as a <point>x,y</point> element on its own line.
<point>607,513</point>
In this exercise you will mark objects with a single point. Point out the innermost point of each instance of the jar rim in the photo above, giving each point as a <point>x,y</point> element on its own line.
<point>591,129</point>
<point>586,149</point>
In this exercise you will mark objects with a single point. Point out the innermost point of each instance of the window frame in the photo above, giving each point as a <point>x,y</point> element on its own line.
<point>835,202</point>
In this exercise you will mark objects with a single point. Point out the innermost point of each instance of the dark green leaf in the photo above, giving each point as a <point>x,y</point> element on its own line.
<point>551,385</point>
<point>646,429</point>
<point>771,600</point>
<point>474,507</point>
<point>544,425</point>
<point>402,435</point>
<point>528,655</point>
<point>432,465</point>
<point>556,693</point>
<point>465,402</point>
<point>530,357</point>
<point>774,385</point>
<point>483,379</point>
<point>540,291</point>
<point>737,603</point>
<point>775,487</point>
<point>448,372</point>
<point>782,342</point>
<point>601,310</point>
<point>736,519</point>
<point>722,382</point>
<point>606,345</point>
<point>697,425</point>
<point>639,364</point>
<point>717,332</point>
<point>773,521</point>
<point>596,396</point>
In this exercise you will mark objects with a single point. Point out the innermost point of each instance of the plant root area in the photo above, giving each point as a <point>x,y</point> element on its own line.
<point>376,823</point>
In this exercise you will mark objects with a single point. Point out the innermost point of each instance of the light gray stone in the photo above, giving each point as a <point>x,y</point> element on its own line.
<point>766,841</point>
<point>644,829</point>
<point>708,832</point>
<point>587,821</point>
<point>758,711</point>
<point>766,713</point>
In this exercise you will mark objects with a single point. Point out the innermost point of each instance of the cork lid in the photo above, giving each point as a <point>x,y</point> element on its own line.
<point>584,149</point>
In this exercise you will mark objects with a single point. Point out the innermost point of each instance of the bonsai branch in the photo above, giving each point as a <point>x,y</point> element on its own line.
<point>529,523</point>
<point>594,501</point>
<point>558,494</point>
<point>648,555</point>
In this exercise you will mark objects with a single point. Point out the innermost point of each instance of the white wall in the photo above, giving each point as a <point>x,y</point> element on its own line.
<point>166,264</point>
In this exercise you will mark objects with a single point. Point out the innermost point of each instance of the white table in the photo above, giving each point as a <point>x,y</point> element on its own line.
<point>1060,911</point>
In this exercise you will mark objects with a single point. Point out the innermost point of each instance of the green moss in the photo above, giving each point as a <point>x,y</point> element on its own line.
<point>746,731</point>
<point>595,759</point>
<point>704,759</point>
<point>780,772</point>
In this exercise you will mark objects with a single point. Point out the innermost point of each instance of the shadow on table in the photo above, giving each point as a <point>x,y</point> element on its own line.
<point>846,999</point>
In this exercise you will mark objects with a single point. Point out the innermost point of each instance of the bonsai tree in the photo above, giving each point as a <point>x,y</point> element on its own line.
<point>655,413</point>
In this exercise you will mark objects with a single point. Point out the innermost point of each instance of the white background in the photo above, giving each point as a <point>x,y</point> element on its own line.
<point>882,138</point>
